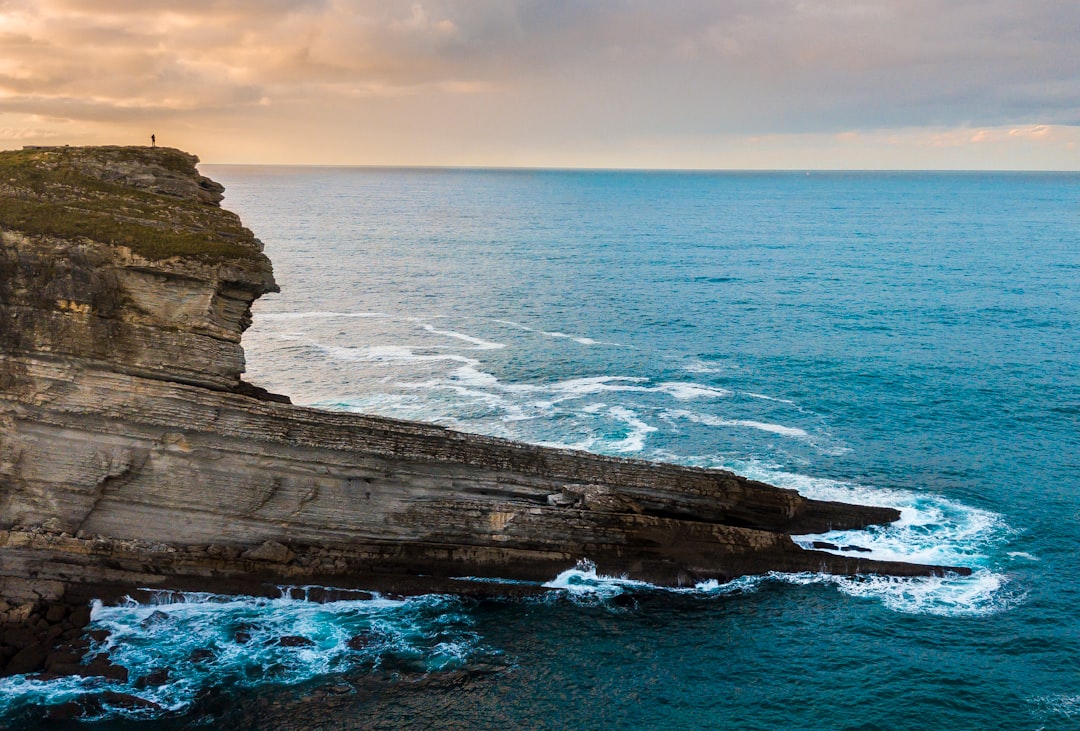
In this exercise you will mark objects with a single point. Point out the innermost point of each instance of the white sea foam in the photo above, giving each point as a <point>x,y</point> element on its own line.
<point>1066,705</point>
<point>711,420</point>
<point>556,334</point>
<point>931,530</point>
<point>472,376</point>
<point>477,342</point>
<point>240,641</point>
<point>702,367</point>
<point>634,441</point>
<point>598,384</point>
<point>982,593</point>
<point>315,315</point>
<point>787,431</point>
<point>392,354</point>
<point>763,397</point>
<point>576,338</point>
<point>584,585</point>
<point>518,325</point>
<point>682,391</point>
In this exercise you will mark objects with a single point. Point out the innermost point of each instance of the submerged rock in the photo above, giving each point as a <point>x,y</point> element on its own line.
<point>133,455</point>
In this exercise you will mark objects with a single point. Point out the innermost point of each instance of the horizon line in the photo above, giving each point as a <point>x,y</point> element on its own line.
<point>558,168</point>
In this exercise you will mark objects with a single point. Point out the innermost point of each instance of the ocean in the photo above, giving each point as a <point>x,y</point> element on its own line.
<point>902,339</point>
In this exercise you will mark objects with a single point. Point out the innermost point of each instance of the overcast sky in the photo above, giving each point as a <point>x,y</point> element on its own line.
<point>635,83</point>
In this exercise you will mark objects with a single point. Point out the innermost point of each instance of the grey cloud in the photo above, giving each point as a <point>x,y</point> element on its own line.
<point>638,66</point>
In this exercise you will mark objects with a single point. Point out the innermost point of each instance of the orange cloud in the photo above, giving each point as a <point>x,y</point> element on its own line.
<point>421,81</point>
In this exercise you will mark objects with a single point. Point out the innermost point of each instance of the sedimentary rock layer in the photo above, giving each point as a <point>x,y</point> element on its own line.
<point>132,453</point>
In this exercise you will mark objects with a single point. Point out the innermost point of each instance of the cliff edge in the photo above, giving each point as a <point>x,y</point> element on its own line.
<point>133,455</point>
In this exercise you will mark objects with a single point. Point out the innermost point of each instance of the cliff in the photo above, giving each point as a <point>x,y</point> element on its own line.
<point>132,453</point>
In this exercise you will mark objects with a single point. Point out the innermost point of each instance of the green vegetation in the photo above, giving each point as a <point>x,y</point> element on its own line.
<point>82,192</point>
<point>51,219</point>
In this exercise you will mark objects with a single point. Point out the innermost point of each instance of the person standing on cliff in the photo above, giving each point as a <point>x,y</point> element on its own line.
<point>153,140</point>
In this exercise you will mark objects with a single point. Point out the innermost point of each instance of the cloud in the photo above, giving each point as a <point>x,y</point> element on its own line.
<point>1034,132</point>
<point>534,71</point>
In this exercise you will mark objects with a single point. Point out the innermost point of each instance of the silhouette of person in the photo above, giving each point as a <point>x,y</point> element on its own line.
<point>153,140</point>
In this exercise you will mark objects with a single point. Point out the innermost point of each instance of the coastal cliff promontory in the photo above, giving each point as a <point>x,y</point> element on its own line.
<point>132,454</point>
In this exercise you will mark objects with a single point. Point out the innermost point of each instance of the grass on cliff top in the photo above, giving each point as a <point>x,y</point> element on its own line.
<point>67,222</point>
<point>43,192</point>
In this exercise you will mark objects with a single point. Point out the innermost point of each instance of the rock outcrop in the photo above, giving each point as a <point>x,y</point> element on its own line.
<point>132,453</point>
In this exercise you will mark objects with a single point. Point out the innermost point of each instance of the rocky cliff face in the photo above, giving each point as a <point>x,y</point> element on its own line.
<point>119,258</point>
<point>132,454</point>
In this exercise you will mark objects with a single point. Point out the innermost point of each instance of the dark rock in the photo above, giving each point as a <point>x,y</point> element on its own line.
<point>156,617</point>
<point>155,678</point>
<point>64,669</point>
<point>260,393</point>
<point>270,551</point>
<point>19,637</point>
<point>101,666</point>
<point>98,635</point>
<point>62,657</point>
<point>857,549</point>
<point>80,616</point>
<point>30,659</point>
<point>360,642</point>
<point>294,641</point>
<point>201,654</point>
<point>242,636</point>
<point>56,613</point>
<point>116,672</point>
<point>825,546</point>
<point>562,499</point>
<point>64,711</point>
<point>128,702</point>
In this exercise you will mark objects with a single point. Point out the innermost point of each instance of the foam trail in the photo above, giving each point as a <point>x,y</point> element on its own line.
<point>479,343</point>
<point>391,353</point>
<point>710,420</point>
<point>556,334</point>
<point>701,367</point>
<point>682,391</point>
<point>518,325</point>
<point>575,338</point>
<point>634,441</point>
<point>763,397</point>
<point>316,315</point>
<point>983,593</point>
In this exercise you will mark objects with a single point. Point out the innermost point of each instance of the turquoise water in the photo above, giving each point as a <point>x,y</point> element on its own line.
<point>889,338</point>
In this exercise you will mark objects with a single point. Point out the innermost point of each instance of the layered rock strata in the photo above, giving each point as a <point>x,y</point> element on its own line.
<point>132,453</point>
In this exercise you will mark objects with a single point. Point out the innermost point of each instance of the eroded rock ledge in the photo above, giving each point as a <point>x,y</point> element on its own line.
<point>132,453</point>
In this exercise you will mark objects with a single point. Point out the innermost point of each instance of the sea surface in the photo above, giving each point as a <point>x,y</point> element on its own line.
<point>901,339</point>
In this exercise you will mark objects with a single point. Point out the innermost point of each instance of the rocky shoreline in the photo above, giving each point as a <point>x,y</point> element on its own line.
<point>133,456</point>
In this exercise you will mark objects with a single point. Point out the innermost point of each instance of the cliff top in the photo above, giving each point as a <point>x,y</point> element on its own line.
<point>150,199</point>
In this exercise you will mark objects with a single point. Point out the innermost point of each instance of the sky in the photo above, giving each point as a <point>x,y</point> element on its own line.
<point>676,84</point>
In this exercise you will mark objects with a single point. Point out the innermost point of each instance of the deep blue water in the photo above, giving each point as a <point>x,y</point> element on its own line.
<point>896,338</point>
